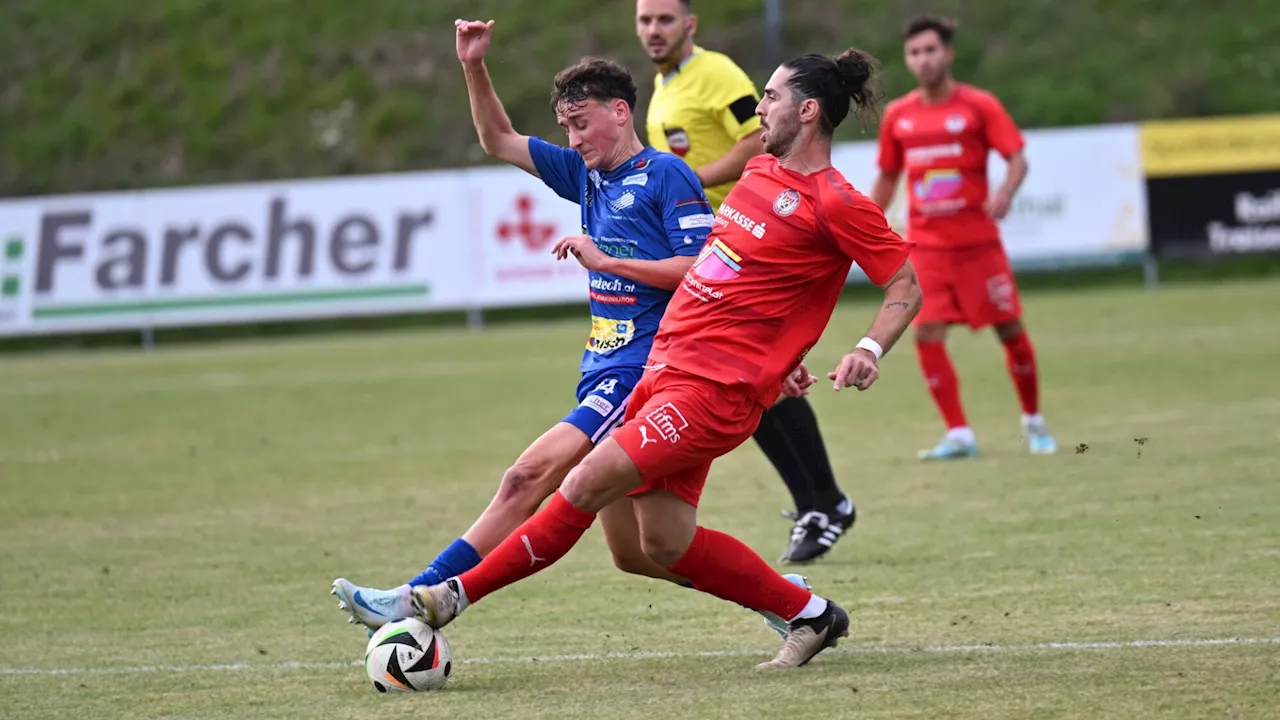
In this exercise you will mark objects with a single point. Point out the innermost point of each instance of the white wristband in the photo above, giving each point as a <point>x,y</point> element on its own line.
<point>867,343</point>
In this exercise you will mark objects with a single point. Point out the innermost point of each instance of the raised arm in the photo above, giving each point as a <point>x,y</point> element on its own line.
<point>498,138</point>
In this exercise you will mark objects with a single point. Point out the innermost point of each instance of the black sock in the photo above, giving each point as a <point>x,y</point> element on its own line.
<point>789,436</point>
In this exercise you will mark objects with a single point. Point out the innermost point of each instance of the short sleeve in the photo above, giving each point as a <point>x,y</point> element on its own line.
<point>862,234</point>
<point>1000,131</point>
<point>560,168</point>
<point>890,150</point>
<point>687,216</point>
<point>733,95</point>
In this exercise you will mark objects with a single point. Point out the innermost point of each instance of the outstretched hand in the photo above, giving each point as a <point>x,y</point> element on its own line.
<point>473,39</point>
<point>584,249</point>
<point>857,369</point>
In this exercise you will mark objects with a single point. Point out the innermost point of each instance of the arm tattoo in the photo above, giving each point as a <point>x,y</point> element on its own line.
<point>897,303</point>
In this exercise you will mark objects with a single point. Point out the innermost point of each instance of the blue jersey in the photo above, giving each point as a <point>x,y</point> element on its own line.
<point>650,208</point>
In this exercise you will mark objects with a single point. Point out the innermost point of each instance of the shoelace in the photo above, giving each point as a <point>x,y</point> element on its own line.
<point>811,519</point>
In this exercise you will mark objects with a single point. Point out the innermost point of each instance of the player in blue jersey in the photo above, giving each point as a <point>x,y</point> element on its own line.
<point>645,218</point>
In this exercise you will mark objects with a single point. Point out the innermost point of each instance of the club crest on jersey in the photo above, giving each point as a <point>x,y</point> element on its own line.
<point>955,123</point>
<point>786,202</point>
<point>623,201</point>
<point>677,140</point>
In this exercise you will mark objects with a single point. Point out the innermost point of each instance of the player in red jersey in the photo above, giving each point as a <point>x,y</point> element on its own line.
<point>941,134</point>
<point>733,337</point>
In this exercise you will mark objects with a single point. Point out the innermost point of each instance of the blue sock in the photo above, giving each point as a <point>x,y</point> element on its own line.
<point>454,560</point>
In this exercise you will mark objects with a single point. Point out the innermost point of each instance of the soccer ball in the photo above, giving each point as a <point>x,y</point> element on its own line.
<point>408,656</point>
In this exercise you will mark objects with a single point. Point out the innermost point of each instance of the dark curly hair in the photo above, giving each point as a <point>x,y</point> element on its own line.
<point>593,78</point>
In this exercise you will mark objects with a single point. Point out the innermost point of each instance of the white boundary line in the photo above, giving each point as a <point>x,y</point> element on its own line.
<point>866,650</point>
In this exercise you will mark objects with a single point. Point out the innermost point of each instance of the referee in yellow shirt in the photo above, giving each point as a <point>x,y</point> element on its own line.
<point>704,110</point>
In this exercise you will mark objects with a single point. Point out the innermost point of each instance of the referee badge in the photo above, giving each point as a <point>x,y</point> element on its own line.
<point>786,203</point>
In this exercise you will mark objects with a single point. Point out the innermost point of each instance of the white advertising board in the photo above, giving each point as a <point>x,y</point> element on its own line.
<point>235,253</point>
<point>414,242</point>
<point>517,220</point>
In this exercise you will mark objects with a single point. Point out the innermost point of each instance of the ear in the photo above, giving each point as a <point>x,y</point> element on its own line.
<point>693,23</point>
<point>809,110</point>
<point>621,112</point>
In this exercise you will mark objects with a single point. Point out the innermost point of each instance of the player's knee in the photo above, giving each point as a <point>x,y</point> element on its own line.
<point>586,488</point>
<point>665,549</point>
<point>527,484</point>
<point>930,333</point>
<point>631,560</point>
<point>1009,331</point>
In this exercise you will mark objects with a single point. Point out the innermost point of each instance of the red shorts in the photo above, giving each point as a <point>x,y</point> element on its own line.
<point>677,423</point>
<point>971,285</point>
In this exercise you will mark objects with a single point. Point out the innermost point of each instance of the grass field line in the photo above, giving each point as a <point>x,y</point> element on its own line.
<point>1061,646</point>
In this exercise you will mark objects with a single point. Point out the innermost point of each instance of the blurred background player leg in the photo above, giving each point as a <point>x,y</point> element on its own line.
<point>789,436</point>
<point>995,301</point>
<point>940,376</point>
<point>1021,359</point>
<point>941,309</point>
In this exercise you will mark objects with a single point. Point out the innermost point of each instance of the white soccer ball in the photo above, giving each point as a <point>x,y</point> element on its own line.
<point>408,656</point>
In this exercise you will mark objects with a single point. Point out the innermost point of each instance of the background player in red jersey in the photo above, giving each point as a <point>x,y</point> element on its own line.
<point>755,301</point>
<point>941,134</point>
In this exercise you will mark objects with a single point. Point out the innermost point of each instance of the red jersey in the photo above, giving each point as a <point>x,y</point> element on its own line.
<point>764,286</point>
<point>944,150</point>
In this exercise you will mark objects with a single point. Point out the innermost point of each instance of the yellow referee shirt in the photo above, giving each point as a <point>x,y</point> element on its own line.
<point>701,110</point>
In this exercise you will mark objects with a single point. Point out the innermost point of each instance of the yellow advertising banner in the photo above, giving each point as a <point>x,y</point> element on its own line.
<point>1237,144</point>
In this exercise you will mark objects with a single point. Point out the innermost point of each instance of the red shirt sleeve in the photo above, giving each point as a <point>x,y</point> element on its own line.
<point>862,233</point>
<point>890,160</point>
<point>1000,130</point>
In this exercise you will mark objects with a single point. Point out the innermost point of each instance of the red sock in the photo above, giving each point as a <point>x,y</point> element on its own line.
<point>940,376</point>
<point>1022,368</point>
<point>534,546</point>
<point>720,565</point>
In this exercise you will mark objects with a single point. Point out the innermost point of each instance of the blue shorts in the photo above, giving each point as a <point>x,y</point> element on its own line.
<point>602,400</point>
